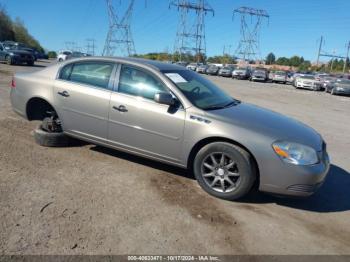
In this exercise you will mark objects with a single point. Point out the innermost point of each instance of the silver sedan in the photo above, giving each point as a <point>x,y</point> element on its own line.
<point>170,114</point>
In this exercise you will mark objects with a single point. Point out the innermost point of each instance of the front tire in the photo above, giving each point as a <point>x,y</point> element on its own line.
<point>224,170</point>
<point>9,60</point>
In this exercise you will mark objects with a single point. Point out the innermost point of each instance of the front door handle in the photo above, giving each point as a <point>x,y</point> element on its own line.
<point>64,94</point>
<point>120,108</point>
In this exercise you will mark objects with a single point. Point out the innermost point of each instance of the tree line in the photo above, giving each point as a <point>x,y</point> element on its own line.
<point>15,30</point>
<point>305,65</point>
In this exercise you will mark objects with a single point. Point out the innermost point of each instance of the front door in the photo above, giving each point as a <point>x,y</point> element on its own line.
<point>137,122</point>
<point>83,92</point>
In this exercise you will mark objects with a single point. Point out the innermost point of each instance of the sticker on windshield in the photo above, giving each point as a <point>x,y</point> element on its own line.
<point>176,78</point>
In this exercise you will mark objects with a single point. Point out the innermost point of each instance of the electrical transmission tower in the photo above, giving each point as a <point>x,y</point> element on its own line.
<point>190,37</point>
<point>249,44</point>
<point>90,47</point>
<point>70,45</point>
<point>119,39</point>
<point>321,52</point>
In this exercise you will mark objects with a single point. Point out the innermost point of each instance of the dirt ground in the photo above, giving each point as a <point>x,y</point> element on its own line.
<point>91,200</point>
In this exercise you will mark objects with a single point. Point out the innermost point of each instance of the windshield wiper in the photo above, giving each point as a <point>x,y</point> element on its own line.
<point>217,107</point>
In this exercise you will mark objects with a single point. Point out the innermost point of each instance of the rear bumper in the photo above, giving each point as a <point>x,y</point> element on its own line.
<point>279,80</point>
<point>299,181</point>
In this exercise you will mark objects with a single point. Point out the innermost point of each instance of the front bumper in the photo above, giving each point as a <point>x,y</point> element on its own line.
<point>240,76</point>
<point>299,181</point>
<point>309,86</point>
<point>20,59</point>
<point>258,78</point>
<point>225,74</point>
<point>343,91</point>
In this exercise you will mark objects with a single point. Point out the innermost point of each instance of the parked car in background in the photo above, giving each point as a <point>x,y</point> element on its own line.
<point>308,82</point>
<point>279,77</point>
<point>182,63</point>
<point>226,71</point>
<point>327,81</point>
<point>339,87</point>
<point>212,70</point>
<point>10,54</point>
<point>290,77</point>
<point>259,74</point>
<point>296,76</point>
<point>75,54</point>
<point>192,66</point>
<point>177,117</point>
<point>241,73</point>
<point>202,69</point>
<point>63,54</point>
<point>320,76</point>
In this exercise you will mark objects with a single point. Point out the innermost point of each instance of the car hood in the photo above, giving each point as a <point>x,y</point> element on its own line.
<point>268,123</point>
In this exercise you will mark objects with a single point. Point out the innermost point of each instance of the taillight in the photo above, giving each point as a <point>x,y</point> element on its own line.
<point>13,83</point>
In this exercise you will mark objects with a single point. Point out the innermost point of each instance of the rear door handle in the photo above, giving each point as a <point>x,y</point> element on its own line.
<point>120,108</point>
<point>64,94</point>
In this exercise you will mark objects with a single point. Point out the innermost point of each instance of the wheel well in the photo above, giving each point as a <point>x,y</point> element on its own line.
<point>210,140</point>
<point>37,109</point>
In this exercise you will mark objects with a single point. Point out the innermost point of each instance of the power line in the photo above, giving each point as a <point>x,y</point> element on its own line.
<point>190,37</point>
<point>119,37</point>
<point>249,44</point>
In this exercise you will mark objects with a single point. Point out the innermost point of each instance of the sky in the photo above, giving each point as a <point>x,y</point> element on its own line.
<point>294,28</point>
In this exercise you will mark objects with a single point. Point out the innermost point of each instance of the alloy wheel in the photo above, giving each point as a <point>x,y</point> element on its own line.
<point>220,172</point>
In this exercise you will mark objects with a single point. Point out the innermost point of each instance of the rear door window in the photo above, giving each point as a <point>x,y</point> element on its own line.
<point>90,73</point>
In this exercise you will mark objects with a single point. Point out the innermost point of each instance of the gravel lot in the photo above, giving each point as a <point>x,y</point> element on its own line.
<point>91,200</point>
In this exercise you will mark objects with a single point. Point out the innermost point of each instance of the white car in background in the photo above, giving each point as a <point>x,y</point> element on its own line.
<point>279,77</point>
<point>63,55</point>
<point>308,82</point>
<point>192,66</point>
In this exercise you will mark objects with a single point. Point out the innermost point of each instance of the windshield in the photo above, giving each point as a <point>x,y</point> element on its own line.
<point>280,73</point>
<point>242,68</point>
<point>9,46</point>
<point>199,91</point>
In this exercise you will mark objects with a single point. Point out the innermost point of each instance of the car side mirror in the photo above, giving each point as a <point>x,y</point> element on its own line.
<point>164,98</point>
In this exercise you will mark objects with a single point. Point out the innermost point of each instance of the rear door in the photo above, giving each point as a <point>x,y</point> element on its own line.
<point>140,124</point>
<point>82,93</point>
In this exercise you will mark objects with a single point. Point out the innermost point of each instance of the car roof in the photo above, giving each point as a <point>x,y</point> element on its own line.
<point>157,65</point>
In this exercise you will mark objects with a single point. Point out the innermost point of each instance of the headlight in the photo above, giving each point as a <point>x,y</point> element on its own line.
<point>295,154</point>
<point>11,53</point>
